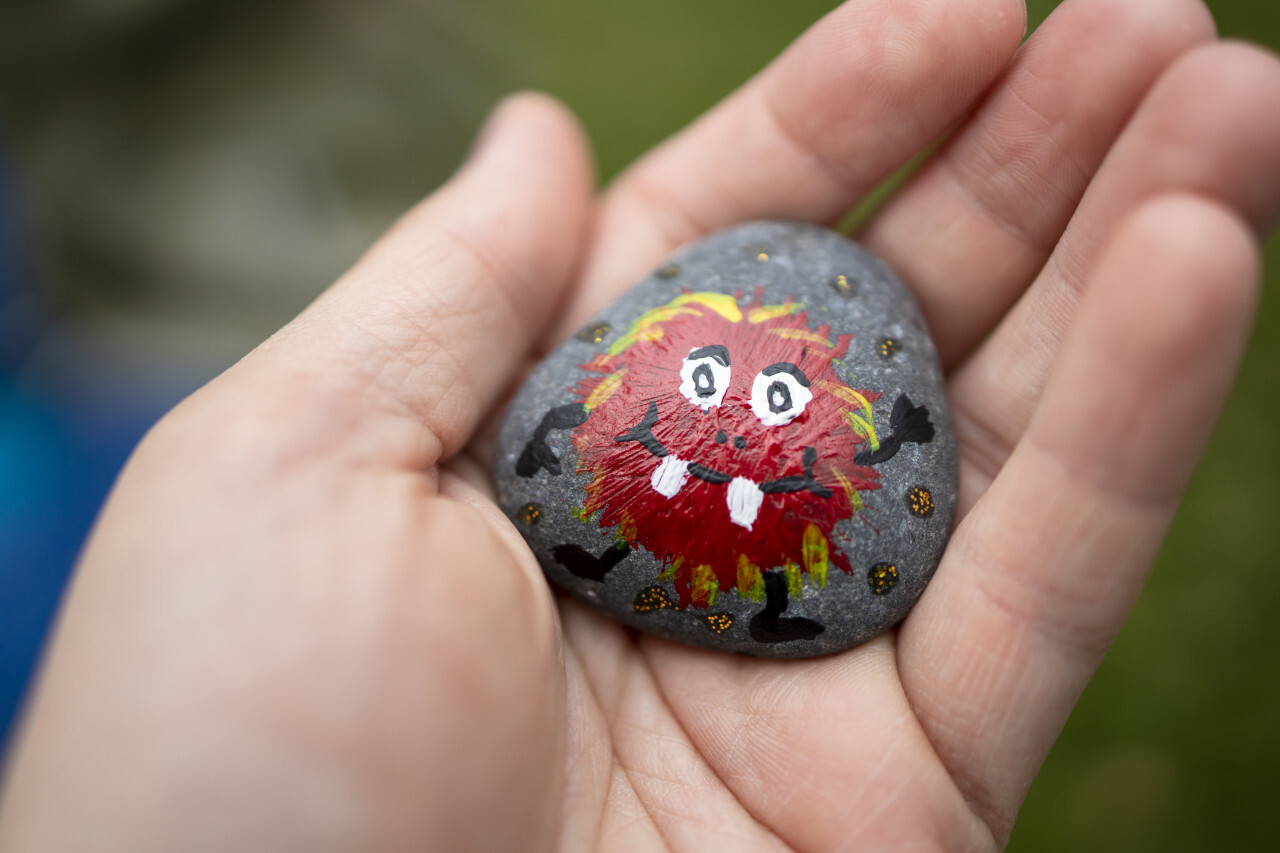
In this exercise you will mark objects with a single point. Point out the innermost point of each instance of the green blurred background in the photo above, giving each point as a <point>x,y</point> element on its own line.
<point>182,176</point>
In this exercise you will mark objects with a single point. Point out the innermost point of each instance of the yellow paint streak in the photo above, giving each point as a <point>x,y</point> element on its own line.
<point>864,429</point>
<point>864,424</point>
<point>814,552</point>
<point>792,572</point>
<point>845,393</point>
<point>606,389</point>
<point>703,586</point>
<point>592,501</point>
<point>771,312</point>
<point>750,579</point>
<point>647,327</point>
<point>721,303</point>
<point>626,530</point>
<point>803,335</point>
<point>855,499</point>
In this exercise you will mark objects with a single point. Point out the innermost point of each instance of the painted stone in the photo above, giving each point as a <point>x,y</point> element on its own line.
<point>748,451</point>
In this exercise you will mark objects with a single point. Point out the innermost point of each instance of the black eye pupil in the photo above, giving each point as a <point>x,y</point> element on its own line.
<point>704,381</point>
<point>779,397</point>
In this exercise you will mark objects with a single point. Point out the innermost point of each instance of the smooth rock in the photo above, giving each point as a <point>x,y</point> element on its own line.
<point>748,451</point>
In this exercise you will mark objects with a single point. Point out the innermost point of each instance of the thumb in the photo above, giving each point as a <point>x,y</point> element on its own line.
<point>430,325</point>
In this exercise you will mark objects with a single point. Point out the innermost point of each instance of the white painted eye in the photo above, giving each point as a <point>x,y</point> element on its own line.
<point>779,394</point>
<point>704,376</point>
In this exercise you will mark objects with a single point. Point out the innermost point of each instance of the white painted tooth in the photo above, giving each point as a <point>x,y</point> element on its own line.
<point>669,476</point>
<point>744,498</point>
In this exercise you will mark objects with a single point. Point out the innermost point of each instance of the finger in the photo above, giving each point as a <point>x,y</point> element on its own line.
<point>1211,126</point>
<point>646,780</point>
<point>978,222</point>
<point>1038,578</point>
<point>824,752</point>
<point>853,98</point>
<point>431,324</point>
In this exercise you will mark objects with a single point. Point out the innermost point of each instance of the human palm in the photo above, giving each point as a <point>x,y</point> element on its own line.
<point>302,623</point>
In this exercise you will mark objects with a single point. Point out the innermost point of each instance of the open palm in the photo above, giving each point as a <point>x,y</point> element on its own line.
<point>301,622</point>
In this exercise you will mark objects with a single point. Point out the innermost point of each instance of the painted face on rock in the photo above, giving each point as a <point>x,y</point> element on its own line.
<point>722,440</point>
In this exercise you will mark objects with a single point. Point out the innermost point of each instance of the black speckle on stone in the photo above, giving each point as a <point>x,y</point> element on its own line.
<point>593,333</point>
<point>845,286</point>
<point>719,622</point>
<point>653,598</point>
<point>882,577</point>
<point>670,271</point>
<point>919,501</point>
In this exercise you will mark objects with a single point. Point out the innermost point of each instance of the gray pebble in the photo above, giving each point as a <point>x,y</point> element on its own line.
<point>748,451</point>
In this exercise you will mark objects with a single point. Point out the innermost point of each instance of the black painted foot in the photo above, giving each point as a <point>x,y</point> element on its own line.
<point>586,565</point>
<point>770,626</point>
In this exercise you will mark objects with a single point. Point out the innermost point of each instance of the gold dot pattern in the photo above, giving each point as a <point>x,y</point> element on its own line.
<point>594,333</point>
<point>882,577</point>
<point>919,501</point>
<point>843,286</point>
<point>653,598</point>
<point>529,514</point>
<point>889,348</point>
<point>763,257</point>
<point>719,622</point>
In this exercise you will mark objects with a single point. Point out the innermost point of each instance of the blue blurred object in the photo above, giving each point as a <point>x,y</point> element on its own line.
<point>67,424</point>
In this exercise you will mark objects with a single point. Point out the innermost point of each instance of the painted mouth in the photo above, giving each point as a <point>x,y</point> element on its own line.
<point>743,496</point>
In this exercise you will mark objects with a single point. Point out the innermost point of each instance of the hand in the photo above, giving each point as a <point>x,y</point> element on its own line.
<point>301,623</point>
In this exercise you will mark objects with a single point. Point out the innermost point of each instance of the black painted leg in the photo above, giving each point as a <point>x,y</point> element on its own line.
<point>584,564</point>
<point>770,626</point>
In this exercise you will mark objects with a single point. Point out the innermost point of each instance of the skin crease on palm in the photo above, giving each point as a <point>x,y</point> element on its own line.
<point>302,624</point>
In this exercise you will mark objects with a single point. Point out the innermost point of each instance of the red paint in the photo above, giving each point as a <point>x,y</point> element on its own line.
<point>695,523</point>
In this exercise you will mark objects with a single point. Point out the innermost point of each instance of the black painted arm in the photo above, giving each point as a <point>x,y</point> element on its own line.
<point>537,453</point>
<point>909,423</point>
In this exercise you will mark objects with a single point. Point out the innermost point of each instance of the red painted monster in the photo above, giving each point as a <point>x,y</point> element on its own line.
<point>722,441</point>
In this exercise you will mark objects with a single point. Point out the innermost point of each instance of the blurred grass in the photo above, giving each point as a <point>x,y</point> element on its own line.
<point>636,73</point>
<point>1174,743</point>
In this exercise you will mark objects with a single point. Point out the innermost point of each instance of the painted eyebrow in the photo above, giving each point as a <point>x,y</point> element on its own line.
<point>787,367</point>
<point>716,351</point>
